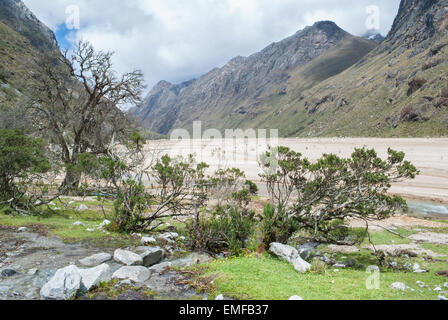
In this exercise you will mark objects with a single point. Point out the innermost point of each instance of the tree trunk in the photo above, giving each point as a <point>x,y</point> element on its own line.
<point>71,183</point>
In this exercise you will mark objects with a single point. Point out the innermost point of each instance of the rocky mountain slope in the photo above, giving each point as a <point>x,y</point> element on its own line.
<point>22,39</point>
<point>226,96</point>
<point>324,82</point>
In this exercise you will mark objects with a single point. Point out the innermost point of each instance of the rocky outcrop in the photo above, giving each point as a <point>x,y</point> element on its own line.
<point>16,15</point>
<point>416,25</point>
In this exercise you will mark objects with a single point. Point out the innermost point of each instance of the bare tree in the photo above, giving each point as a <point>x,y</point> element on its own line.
<point>76,100</point>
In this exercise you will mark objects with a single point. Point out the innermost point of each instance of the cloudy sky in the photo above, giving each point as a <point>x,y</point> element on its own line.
<point>177,40</point>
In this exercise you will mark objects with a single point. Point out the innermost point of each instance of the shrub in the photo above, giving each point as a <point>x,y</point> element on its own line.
<point>415,84</point>
<point>444,92</point>
<point>318,198</point>
<point>21,159</point>
<point>232,223</point>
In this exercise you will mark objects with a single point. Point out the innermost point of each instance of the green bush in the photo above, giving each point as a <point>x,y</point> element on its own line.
<point>276,226</point>
<point>318,198</point>
<point>226,228</point>
<point>21,158</point>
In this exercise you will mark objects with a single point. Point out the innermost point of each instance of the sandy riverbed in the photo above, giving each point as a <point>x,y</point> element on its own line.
<point>429,155</point>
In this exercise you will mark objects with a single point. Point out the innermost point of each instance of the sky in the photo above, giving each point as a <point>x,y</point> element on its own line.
<point>178,40</point>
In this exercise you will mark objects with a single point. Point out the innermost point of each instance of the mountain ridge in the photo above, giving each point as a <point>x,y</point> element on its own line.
<point>255,76</point>
<point>394,88</point>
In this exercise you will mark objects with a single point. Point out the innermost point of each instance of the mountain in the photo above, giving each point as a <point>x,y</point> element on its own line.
<point>19,18</point>
<point>323,81</point>
<point>226,96</point>
<point>23,38</point>
<point>377,37</point>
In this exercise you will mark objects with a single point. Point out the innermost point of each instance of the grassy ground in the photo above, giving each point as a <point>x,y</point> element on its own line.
<point>60,223</point>
<point>267,278</point>
<point>263,277</point>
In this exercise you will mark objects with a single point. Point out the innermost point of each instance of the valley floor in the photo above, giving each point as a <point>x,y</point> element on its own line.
<point>429,155</point>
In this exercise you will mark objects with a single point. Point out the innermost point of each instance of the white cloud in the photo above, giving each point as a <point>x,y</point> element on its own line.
<point>177,40</point>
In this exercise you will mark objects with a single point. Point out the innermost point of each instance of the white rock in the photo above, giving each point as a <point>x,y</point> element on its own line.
<point>79,223</point>
<point>284,252</point>
<point>416,267</point>
<point>159,268</point>
<point>398,286</point>
<point>23,229</point>
<point>33,271</point>
<point>295,298</point>
<point>136,273</point>
<point>105,223</point>
<point>128,258</point>
<point>95,259</point>
<point>445,284</point>
<point>168,237</point>
<point>148,240</point>
<point>63,286</point>
<point>52,204</point>
<point>94,276</point>
<point>150,256</point>
<point>90,230</point>
<point>290,255</point>
<point>442,298</point>
<point>219,298</point>
<point>438,289</point>
<point>83,207</point>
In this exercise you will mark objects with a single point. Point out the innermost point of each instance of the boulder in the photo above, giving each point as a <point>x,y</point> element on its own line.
<point>63,285</point>
<point>94,276</point>
<point>169,237</point>
<point>8,272</point>
<point>297,298</point>
<point>22,229</point>
<point>128,258</point>
<point>148,240</point>
<point>306,250</point>
<point>79,223</point>
<point>83,207</point>
<point>95,259</point>
<point>150,256</point>
<point>137,274</point>
<point>219,298</point>
<point>290,255</point>
<point>159,268</point>
<point>105,223</point>
<point>442,298</point>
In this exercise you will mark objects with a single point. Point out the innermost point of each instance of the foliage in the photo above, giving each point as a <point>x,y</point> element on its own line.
<point>21,160</point>
<point>230,225</point>
<point>75,103</point>
<point>317,197</point>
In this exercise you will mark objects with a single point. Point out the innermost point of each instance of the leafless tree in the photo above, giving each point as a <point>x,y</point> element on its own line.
<point>76,99</point>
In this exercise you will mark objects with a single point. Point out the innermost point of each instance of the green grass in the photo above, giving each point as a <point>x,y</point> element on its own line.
<point>269,278</point>
<point>385,237</point>
<point>60,223</point>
